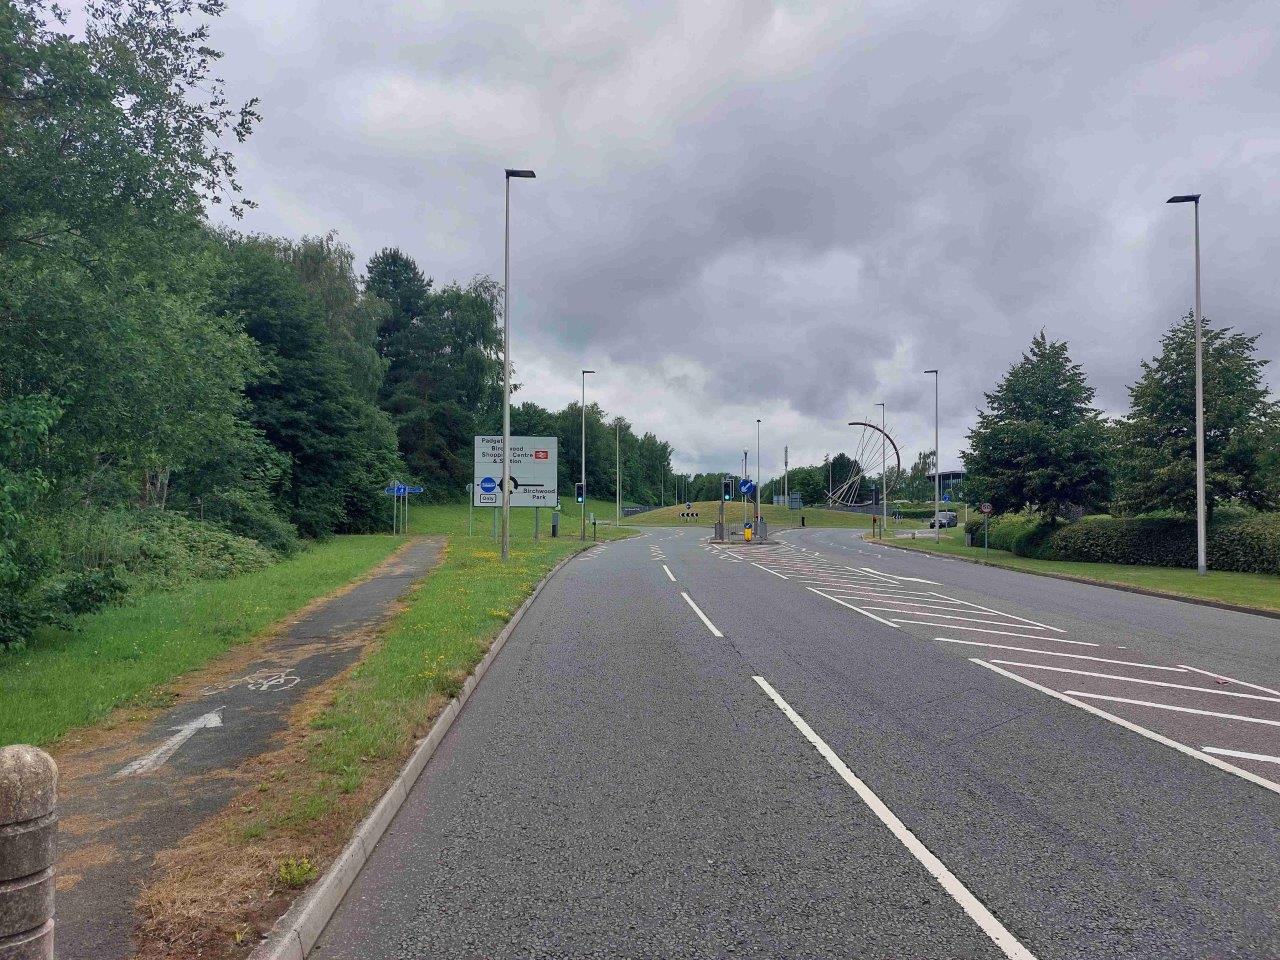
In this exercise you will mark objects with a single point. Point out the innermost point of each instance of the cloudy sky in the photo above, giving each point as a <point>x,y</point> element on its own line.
<point>786,210</point>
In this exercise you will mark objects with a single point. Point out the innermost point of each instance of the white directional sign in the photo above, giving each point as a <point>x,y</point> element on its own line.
<point>534,472</point>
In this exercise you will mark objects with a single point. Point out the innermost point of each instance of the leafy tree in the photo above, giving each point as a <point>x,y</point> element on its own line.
<point>1242,425</point>
<point>340,449</point>
<point>112,132</point>
<point>443,381</point>
<point>1040,442</point>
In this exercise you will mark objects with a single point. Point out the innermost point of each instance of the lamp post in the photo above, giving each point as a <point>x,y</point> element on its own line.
<point>583,535</point>
<point>506,364</point>
<point>1201,511</point>
<point>759,476</point>
<point>617,471</point>
<point>884,480</point>
<point>937,464</point>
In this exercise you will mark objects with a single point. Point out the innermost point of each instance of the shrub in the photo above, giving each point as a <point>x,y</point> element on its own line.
<point>242,513</point>
<point>1247,545</point>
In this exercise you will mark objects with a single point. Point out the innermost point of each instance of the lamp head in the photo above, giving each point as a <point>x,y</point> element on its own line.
<point>1185,198</point>
<point>523,174</point>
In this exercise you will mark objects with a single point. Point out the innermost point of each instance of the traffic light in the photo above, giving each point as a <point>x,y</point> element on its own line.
<point>726,490</point>
<point>577,490</point>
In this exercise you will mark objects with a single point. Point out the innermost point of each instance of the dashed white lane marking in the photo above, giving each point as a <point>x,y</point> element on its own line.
<point>1136,728</point>
<point>1170,706</point>
<point>1152,683</point>
<point>767,570</point>
<point>710,626</point>
<point>1057,653</point>
<point>670,575</point>
<point>984,918</point>
<point>1218,676</point>
<point>1224,752</point>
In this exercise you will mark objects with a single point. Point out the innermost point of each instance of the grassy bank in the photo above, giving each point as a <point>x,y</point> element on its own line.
<point>283,831</point>
<point>63,679</point>
<point>1243,589</point>
<point>775,516</point>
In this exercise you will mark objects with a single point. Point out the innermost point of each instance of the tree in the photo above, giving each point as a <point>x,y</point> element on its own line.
<point>1040,442</point>
<point>341,449</point>
<point>443,383</point>
<point>118,131</point>
<point>1242,424</point>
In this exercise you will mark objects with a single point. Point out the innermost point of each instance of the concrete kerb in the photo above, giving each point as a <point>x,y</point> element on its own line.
<point>1126,588</point>
<point>295,934</point>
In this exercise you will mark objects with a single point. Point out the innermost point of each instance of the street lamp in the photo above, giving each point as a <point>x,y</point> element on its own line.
<point>584,453</point>
<point>884,481</point>
<point>617,472</point>
<point>506,365</point>
<point>1201,513</point>
<point>759,476</point>
<point>937,465</point>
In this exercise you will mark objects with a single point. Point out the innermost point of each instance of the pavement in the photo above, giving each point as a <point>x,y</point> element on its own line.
<point>823,747</point>
<point>125,802</point>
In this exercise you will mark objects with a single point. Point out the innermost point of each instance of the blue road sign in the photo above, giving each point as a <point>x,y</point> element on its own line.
<point>399,490</point>
<point>412,489</point>
<point>946,498</point>
<point>743,485</point>
<point>488,485</point>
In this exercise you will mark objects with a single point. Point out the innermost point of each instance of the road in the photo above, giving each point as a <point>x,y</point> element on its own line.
<point>827,748</point>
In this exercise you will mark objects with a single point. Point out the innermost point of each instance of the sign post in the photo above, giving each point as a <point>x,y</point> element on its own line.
<point>986,509</point>
<point>533,477</point>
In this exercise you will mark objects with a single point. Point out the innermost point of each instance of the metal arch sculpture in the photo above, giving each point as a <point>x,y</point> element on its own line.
<point>846,493</point>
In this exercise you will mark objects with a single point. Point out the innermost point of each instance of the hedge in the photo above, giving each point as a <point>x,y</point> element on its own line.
<point>1250,545</point>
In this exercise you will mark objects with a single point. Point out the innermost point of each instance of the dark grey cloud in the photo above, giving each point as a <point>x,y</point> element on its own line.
<point>786,210</point>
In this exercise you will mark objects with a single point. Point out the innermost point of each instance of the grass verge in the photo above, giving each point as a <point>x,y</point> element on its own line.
<point>351,739</point>
<point>1255,590</point>
<point>124,655</point>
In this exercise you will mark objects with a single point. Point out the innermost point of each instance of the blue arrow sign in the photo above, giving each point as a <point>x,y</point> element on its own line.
<point>488,485</point>
<point>743,485</point>
<point>412,489</point>
<point>946,498</point>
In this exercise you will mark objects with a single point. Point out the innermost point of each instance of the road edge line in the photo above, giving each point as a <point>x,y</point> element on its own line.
<point>1123,587</point>
<point>1137,728</point>
<point>295,934</point>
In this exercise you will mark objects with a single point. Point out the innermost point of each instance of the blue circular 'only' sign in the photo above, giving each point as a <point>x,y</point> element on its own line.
<point>488,485</point>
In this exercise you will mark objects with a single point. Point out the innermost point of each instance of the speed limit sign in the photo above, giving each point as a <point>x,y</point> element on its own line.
<point>985,508</point>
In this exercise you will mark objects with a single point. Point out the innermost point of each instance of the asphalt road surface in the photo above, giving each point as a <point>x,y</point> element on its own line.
<point>827,748</point>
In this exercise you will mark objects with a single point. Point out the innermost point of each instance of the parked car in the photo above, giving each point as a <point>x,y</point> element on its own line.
<point>946,518</point>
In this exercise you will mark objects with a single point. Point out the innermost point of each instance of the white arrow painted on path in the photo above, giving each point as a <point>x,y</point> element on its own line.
<point>157,757</point>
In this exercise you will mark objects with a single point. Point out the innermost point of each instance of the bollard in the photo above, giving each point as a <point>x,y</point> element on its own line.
<point>28,830</point>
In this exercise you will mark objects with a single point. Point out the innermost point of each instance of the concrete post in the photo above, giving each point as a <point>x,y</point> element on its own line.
<point>28,830</point>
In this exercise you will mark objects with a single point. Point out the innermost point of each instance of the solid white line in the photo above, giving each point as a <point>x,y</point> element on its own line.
<point>710,626</point>
<point>1169,706</point>
<point>1055,653</point>
<point>1003,633</point>
<point>767,570</point>
<point>852,607</point>
<point>952,616</point>
<point>958,892</point>
<point>1222,751</point>
<point>874,590</point>
<point>670,575</point>
<point>1243,683</point>
<point>1013,616</point>
<point>1153,683</point>
<point>1140,730</point>
<point>918,602</point>
<point>877,573</point>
